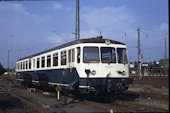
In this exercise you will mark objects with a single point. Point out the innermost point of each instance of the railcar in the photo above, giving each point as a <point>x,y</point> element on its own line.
<point>87,65</point>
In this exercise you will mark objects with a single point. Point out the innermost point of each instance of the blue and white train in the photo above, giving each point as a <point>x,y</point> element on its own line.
<point>88,65</point>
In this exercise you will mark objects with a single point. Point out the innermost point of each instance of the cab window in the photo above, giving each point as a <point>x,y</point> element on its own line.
<point>122,56</point>
<point>91,55</point>
<point>108,55</point>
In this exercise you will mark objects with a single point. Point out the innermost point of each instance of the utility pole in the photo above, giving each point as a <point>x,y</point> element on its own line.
<point>8,62</point>
<point>78,21</point>
<point>139,55</point>
<point>77,29</point>
<point>165,55</point>
<point>12,67</point>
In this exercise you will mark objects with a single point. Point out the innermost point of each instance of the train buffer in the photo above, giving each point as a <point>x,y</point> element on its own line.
<point>31,89</point>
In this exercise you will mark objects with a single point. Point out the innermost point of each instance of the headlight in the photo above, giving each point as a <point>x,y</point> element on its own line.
<point>121,72</point>
<point>93,72</point>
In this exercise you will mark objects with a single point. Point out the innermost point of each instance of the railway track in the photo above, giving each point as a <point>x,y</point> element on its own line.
<point>22,100</point>
<point>156,81</point>
<point>115,106</point>
<point>149,95</point>
<point>27,103</point>
<point>123,106</point>
<point>112,106</point>
<point>133,107</point>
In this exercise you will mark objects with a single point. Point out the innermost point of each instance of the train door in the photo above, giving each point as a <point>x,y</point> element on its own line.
<point>33,64</point>
<point>71,59</point>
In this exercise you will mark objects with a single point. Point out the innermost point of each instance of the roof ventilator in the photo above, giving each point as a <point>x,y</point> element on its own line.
<point>99,37</point>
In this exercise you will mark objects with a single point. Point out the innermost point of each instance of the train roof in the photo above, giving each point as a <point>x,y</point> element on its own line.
<point>98,39</point>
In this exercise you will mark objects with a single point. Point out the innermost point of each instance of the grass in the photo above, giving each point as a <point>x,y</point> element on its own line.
<point>148,89</point>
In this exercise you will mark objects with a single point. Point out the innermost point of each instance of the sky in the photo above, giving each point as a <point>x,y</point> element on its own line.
<point>29,27</point>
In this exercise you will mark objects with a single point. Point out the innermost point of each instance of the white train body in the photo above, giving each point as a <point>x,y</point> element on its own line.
<point>93,64</point>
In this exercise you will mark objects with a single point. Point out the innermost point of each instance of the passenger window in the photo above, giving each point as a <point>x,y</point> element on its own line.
<point>26,67</point>
<point>63,57</point>
<point>38,62</point>
<point>49,61</point>
<point>55,59</point>
<point>29,64</point>
<point>78,54</point>
<point>21,65</point>
<point>33,63</point>
<point>73,54</point>
<point>42,62</point>
<point>69,56</point>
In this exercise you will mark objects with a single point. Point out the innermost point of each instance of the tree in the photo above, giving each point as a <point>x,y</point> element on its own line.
<point>1,69</point>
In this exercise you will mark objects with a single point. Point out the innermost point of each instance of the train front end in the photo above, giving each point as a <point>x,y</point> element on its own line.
<point>104,68</point>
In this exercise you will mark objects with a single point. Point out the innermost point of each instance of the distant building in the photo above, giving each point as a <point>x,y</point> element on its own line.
<point>132,69</point>
<point>131,65</point>
<point>145,64</point>
<point>164,63</point>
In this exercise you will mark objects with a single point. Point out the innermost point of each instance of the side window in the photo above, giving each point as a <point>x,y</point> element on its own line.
<point>38,62</point>
<point>49,61</point>
<point>33,63</point>
<point>55,59</point>
<point>73,54</point>
<point>78,54</point>
<point>26,67</point>
<point>42,62</point>
<point>29,64</point>
<point>21,65</point>
<point>63,57</point>
<point>69,55</point>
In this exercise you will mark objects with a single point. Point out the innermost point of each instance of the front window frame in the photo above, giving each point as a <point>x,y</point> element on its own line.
<point>115,58</point>
<point>96,61</point>
<point>126,62</point>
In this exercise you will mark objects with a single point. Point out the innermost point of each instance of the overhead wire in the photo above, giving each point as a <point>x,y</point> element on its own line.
<point>124,21</point>
<point>146,29</point>
<point>101,9</point>
<point>154,9</point>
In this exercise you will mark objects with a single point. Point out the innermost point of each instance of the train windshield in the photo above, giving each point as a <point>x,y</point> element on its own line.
<point>122,56</point>
<point>108,55</point>
<point>91,55</point>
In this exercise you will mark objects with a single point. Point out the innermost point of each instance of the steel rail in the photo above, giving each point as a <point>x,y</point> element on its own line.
<point>107,107</point>
<point>116,106</point>
<point>139,106</point>
<point>29,104</point>
<point>149,95</point>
